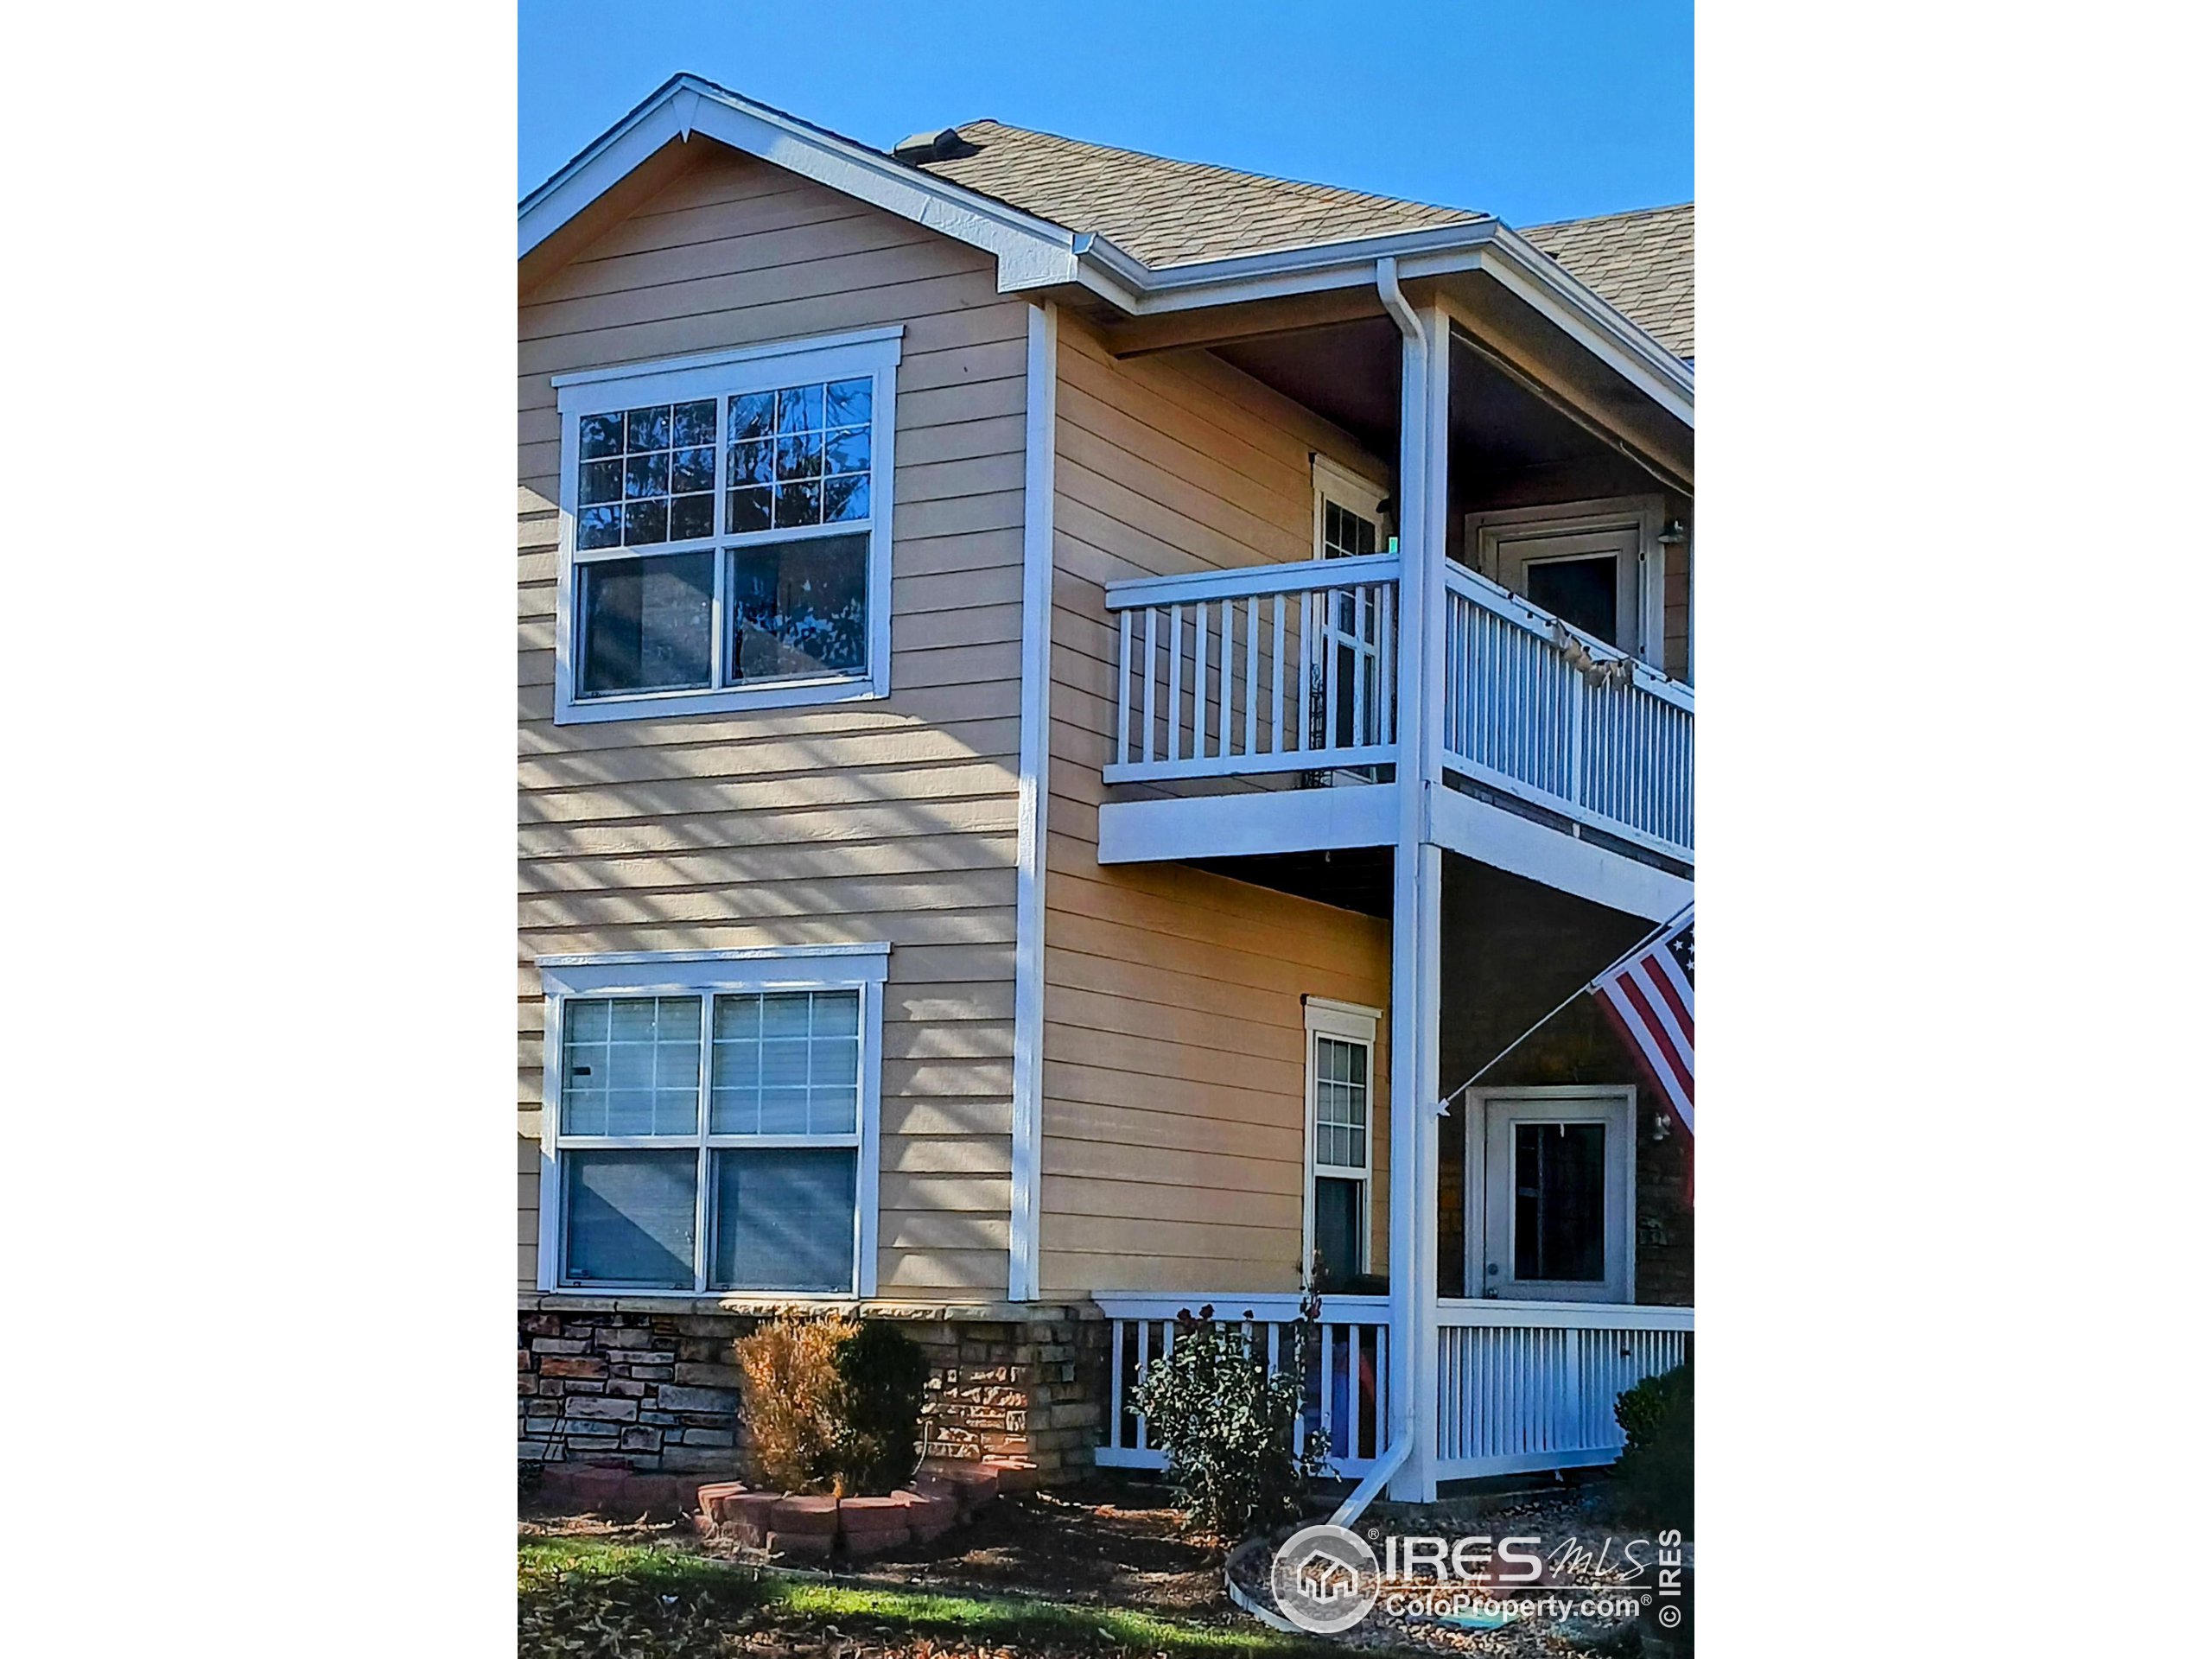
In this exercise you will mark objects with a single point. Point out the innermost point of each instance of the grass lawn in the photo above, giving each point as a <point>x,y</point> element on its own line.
<point>586,1599</point>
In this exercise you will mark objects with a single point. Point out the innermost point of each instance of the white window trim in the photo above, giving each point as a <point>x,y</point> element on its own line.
<point>1645,514</point>
<point>1348,1022</point>
<point>701,973</point>
<point>1614,1104</point>
<point>720,375</point>
<point>1334,481</point>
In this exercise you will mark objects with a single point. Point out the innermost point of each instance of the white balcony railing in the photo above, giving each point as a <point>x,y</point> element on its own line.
<point>1608,745</point>
<point>1280,668</point>
<point>1288,668</point>
<point>1520,1386</point>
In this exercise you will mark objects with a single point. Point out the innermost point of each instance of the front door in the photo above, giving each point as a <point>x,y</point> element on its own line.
<point>1586,578</point>
<point>1597,565</point>
<point>1557,1187</point>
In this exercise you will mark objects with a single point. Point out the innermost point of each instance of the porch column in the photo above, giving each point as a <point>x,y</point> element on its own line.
<point>1417,891</point>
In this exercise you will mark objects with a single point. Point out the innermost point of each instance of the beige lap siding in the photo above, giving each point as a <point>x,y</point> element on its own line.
<point>1175,1155</point>
<point>892,820</point>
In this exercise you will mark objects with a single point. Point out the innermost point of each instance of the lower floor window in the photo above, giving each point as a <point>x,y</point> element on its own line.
<point>711,1136</point>
<point>1340,1091</point>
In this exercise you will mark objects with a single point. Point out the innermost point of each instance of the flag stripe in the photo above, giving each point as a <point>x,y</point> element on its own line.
<point>1654,1039</point>
<point>1669,974</point>
<point>1644,978</point>
<point>1650,1001</point>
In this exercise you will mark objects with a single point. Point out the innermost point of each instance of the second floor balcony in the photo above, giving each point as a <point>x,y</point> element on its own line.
<point>1255,712</point>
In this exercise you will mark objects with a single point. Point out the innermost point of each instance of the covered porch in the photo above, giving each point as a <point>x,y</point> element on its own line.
<point>1469,716</point>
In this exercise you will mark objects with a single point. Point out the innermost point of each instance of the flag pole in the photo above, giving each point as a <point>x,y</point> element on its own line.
<point>1445,1104</point>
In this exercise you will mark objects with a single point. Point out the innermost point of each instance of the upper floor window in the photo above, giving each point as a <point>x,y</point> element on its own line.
<point>727,530</point>
<point>1349,516</point>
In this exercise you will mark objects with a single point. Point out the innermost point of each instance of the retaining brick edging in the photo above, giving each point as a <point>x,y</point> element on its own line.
<point>812,1528</point>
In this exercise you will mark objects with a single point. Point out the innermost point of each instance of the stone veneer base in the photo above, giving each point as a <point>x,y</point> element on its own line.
<point>651,1382</point>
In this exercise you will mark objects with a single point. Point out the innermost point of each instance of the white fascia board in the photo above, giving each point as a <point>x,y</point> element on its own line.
<point>1031,252</point>
<point>1490,247</point>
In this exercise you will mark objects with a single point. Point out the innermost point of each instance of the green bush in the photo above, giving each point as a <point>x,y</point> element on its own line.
<point>1653,1481</point>
<point>883,1378</point>
<point>1238,1456</point>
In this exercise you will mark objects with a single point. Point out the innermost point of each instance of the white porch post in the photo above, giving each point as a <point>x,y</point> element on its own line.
<point>1417,891</point>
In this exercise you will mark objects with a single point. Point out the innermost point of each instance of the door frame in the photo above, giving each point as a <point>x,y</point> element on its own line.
<point>1645,515</point>
<point>1611,1104</point>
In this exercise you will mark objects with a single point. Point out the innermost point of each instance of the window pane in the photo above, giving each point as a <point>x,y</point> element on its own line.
<point>599,435</point>
<point>798,409</point>
<point>1558,1201</point>
<point>784,1219</point>
<point>1582,590</point>
<point>1336,1228</point>
<point>630,1066</point>
<point>845,501</point>
<point>690,516</point>
<point>695,424</point>
<point>798,504</point>
<point>748,510</point>
<point>692,469</point>
<point>629,1218</point>
<point>752,414</point>
<point>799,609</point>
<point>799,456</point>
<point>646,623</point>
<point>847,402</point>
<point>786,1063</point>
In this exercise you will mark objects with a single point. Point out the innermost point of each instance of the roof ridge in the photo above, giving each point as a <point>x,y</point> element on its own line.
<point>1344,191</point>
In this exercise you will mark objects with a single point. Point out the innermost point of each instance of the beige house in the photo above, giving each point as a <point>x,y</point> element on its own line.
<point>1066,698</point>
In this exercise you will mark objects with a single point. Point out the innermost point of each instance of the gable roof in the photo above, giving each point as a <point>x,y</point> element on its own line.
<point>1167,213</point>
<point>1363,237</point>
<point>1642,264</point>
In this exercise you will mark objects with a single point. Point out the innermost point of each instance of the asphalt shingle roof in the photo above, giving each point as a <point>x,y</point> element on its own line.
<point>1168,213</point>
<point>1642,265</point>
<point>1171,213</point>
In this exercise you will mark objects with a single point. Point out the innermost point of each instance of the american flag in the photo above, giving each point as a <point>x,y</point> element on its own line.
<point>1649,998</point>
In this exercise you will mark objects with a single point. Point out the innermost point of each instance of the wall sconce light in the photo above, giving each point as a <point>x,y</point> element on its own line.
<point>1675,535</point>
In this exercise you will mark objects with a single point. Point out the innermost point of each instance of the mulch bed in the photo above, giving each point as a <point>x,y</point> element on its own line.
<point>1111,1542</point>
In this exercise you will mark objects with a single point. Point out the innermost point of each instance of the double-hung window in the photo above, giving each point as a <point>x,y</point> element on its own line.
<point>710,1121</point>
<point>726,529</point>
<point>1339,1097</point>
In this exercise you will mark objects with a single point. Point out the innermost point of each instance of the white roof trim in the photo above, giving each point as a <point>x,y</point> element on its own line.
<point>1035,253</point>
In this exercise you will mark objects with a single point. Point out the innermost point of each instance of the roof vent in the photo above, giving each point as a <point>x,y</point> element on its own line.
<point>933,146</point>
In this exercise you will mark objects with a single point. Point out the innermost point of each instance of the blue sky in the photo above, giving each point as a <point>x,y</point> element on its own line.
<point>1533,110</point>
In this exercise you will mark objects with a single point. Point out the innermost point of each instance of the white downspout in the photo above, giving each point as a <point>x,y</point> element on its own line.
<point>1417,874</point>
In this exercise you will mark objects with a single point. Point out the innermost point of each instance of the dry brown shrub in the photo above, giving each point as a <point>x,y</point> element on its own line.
<point>787,1371</point>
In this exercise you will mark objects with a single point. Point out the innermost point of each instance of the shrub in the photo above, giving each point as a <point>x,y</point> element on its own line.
<point>787,1374</point>
<point>832,1405</point>
<point>1653,1481</point>
<point>1238,1457</point>
<point>882,1378</point>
